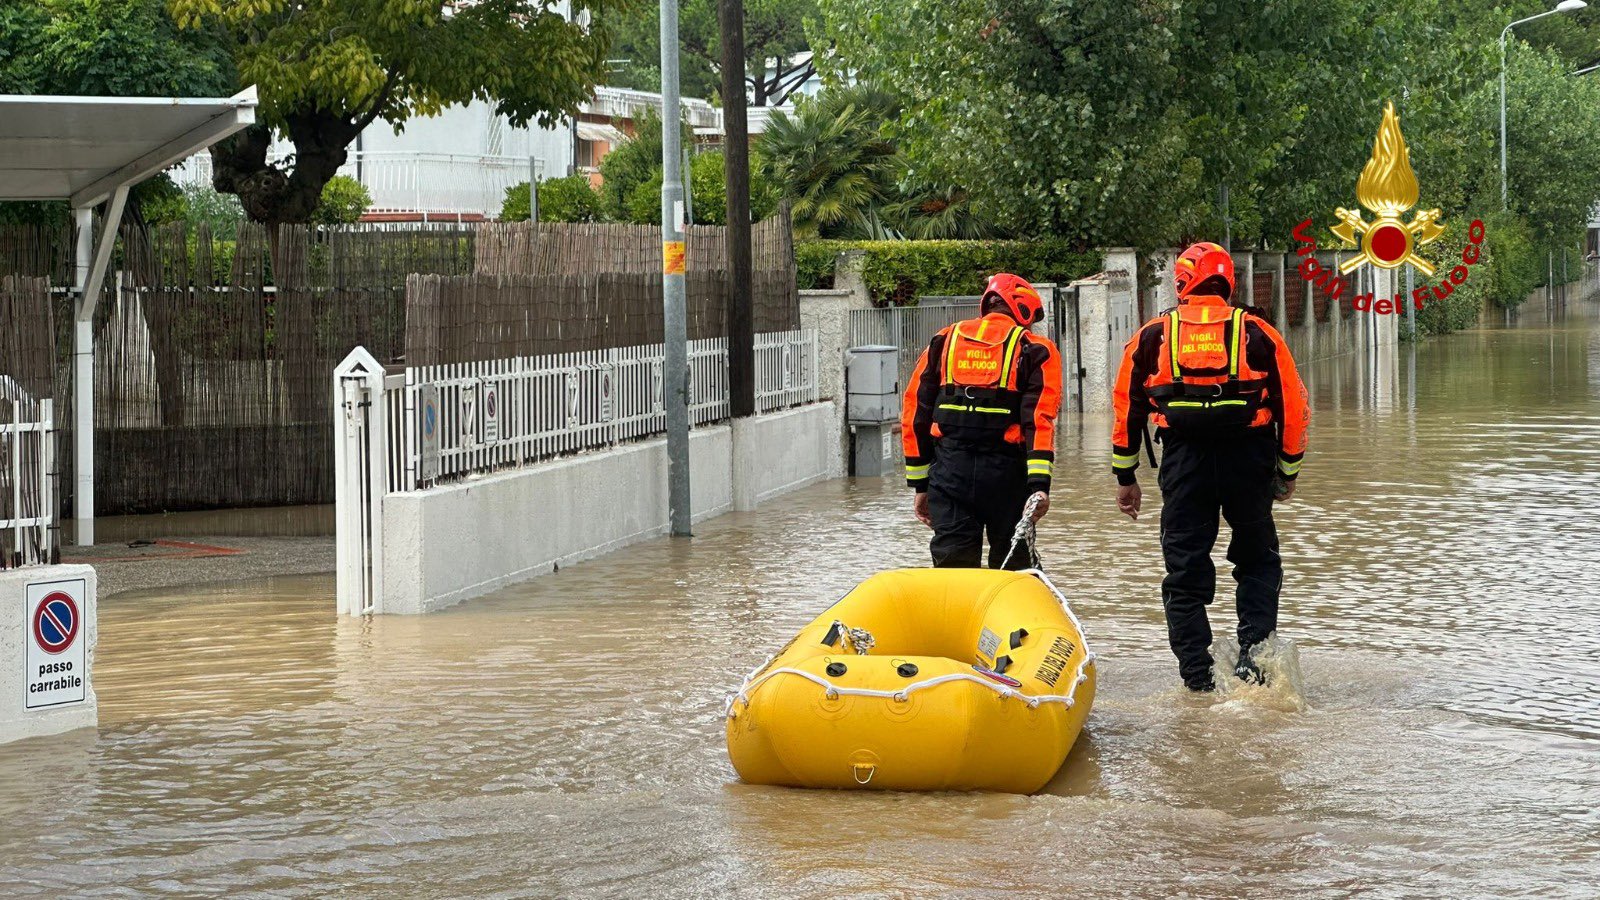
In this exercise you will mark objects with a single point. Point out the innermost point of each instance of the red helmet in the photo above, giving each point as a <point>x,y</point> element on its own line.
<point>1021,300</point>
<point>1198,263</point>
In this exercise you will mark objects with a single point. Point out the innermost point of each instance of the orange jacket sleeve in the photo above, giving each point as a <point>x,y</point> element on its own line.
<point>1039,381</point>
<point>916,413</point>
<point>1130,406</point>
<point>1286,396</point>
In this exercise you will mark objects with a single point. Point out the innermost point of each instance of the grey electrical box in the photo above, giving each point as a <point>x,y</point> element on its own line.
<point>872,384</point>
<point>875,450</point>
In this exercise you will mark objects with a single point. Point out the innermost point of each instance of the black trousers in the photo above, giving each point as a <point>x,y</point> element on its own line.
<point>1201,476</point>
<point>973,490</point>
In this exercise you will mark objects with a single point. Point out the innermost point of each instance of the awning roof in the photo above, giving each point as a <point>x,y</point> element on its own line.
<point>82,148</point>
<point>595,131</point>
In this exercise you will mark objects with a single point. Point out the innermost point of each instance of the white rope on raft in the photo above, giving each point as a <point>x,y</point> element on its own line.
<point>832,691</point>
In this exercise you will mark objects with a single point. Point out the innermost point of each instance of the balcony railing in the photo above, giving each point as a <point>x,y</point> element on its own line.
<point>440,185</point>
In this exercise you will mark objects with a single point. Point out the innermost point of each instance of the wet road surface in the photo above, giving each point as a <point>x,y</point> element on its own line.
<point>563,737</point>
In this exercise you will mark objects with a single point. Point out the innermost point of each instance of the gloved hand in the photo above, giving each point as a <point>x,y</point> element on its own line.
<point>919,508</point>
<point>1282,491</point>
<point>1043,507</point>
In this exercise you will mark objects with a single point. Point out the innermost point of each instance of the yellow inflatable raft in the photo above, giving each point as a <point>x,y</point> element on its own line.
<point>921,679</point>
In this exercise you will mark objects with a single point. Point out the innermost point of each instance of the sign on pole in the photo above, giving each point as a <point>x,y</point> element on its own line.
<point>54,659</point>
<point>490,393</point>
<point>469,416</point>
<point>429,468</point>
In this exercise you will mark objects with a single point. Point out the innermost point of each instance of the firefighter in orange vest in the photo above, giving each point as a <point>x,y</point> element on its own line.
<point>979,427</point>
<point>1231,414</point>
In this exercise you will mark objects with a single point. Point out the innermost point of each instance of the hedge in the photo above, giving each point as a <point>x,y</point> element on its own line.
<point>898,272</point>
<point>1464,305</point>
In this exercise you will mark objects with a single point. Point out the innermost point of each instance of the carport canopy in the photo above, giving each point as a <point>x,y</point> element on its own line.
<point>88,151</point>
<point>81,149</point>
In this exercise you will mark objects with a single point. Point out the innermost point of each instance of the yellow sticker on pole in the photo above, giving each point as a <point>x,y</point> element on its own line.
<point>672,255</point>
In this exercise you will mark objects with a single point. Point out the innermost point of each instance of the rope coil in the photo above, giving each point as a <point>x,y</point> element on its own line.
<point>1026,532</point>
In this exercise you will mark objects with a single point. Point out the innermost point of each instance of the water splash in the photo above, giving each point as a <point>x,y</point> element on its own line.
<point>1278,658</point>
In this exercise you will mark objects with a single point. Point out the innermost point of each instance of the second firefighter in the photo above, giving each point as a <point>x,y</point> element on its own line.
<point>978,427</point>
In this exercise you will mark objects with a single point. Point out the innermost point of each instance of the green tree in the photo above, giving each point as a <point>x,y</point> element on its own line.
<point>832,161</point>
<point>938,212</point>
<point>644,201</point>
<point>774,33</point>
<point>327,69</point>
<point>710,183</point>
<point>633,162</point>
<point>568,199</point>
<point>101,48</point>
<point>344,200</point>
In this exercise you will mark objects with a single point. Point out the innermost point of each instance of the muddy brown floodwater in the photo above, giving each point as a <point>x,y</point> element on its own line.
<point>564,737</point>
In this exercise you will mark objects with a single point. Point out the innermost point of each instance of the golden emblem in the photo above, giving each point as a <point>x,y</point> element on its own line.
<point>1387,188</point>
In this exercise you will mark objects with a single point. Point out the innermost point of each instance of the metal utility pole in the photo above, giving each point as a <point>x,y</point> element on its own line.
<point>1563,7</point>
<point>1227,220</point>
<point>533,189</point>
<point>675,370</point>
<point>736,159</point>
<point>1411,303</point>
<point>688,188</point>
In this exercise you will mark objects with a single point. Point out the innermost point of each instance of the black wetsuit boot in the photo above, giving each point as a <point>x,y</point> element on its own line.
<point>973,490</point>
<point>1201,476</point>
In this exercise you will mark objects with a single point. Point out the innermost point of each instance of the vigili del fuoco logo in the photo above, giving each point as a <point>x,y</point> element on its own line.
<point>1387,189</point>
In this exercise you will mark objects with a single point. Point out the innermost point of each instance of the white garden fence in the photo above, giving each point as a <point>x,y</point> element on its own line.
<point>407,430</point>
<point>448,421</point>
<point>27,474</point>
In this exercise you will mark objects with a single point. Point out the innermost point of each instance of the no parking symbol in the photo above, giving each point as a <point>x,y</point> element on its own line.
<point>54,661</point>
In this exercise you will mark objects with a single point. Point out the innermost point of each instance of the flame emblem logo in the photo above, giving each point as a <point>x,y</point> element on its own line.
<point>1387,188</point>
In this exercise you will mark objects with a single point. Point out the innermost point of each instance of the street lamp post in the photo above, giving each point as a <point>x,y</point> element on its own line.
<point>675,331</point>
<point>1563,6</point>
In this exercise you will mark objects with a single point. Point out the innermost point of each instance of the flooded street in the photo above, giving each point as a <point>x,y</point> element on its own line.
<point>564,737</point>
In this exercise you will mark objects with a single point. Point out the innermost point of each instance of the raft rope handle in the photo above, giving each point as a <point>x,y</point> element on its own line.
<point>833,691</point>
<point>1026,531</point>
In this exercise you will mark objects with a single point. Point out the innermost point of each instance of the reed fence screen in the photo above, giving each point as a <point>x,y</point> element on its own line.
<point>214,352</point>
<point>549,288</point>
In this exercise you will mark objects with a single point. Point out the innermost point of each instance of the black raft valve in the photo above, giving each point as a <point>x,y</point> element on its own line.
<point>907,670</point>
<point>835,669</point>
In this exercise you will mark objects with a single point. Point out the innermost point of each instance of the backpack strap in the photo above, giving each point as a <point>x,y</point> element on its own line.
<point>1172,345</point>
<point>1233,347</point>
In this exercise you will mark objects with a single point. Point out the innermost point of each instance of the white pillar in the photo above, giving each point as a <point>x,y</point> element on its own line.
<point>83,389</point>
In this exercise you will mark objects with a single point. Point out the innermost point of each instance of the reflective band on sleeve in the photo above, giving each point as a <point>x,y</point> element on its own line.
<point>1125,460</point>
<point>1040,466</point>
<point>1289,468</point>
<point>916,473</point>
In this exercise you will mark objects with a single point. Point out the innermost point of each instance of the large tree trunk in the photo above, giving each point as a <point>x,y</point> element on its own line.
<point>276,197</point>
<point>268,193</point>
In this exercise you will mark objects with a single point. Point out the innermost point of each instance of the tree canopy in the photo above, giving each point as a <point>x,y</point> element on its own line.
<point>327,69</point>
<point>1118,123</point>
<point>98,48</point>
<point>774,34</point>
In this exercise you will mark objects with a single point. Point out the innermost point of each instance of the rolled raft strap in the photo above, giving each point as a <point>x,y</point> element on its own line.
<point>859,639</point>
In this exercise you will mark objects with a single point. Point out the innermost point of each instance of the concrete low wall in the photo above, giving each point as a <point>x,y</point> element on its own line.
<point>75,660</point>
<point>452,543</point>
